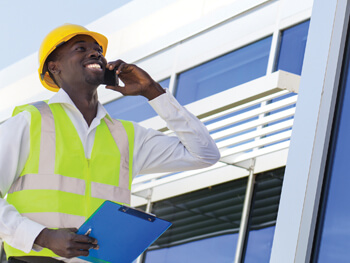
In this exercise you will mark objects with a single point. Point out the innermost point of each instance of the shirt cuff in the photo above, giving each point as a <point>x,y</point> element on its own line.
<point>165,105</point>
<point>25,235</point>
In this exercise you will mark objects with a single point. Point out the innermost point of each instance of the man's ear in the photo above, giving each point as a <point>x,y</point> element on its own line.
<point>53,67</point>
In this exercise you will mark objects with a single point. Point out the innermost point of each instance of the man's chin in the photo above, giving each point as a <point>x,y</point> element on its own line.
<point>95,81</point>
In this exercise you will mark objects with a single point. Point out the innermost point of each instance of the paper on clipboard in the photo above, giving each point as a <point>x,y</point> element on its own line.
<point>123,233</point>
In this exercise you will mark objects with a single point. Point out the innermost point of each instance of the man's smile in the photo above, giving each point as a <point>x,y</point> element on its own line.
<point>94,66</point>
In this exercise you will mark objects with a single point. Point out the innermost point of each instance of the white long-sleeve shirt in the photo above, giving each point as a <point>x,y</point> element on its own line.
<point>153,152</point>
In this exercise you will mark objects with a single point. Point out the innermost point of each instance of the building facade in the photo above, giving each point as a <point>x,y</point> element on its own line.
<point>269,80</point>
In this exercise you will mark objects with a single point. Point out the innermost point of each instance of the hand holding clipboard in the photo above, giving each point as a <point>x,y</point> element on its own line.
<point>123,233</point>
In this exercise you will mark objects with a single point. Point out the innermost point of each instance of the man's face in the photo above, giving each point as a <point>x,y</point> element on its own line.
<point>80,62</point>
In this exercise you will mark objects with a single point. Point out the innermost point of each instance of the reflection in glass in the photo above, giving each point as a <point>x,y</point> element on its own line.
<point>292,48</point>
<point>133,108</point>
<point>260,244</point>
<point>225,72</point>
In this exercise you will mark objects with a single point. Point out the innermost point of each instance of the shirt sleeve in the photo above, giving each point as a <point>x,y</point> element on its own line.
<point>18,231</point>
<point>191,148</point>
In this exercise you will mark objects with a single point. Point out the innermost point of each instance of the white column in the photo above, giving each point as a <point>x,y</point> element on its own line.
<point>309,142</point>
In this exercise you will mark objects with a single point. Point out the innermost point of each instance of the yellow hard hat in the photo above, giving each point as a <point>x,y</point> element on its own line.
<point>57,37</point>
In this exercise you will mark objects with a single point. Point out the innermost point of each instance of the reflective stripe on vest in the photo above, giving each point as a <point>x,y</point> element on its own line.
<point>59,187</point>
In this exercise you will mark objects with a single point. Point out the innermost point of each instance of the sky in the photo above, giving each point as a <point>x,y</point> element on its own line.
<point>25,23</point>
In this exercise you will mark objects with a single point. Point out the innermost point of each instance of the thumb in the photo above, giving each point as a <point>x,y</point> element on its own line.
<point>116,88</point>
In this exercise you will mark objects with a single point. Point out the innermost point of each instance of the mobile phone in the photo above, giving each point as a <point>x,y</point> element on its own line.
<point>110,78</point>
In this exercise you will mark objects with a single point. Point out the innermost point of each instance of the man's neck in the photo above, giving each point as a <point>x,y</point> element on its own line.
<point>86,101</point>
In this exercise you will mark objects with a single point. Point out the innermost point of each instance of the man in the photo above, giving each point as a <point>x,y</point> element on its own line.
<point>61,159</point>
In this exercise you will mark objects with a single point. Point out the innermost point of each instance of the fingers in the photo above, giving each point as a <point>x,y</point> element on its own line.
<point>75,248</point>
<point>66,243</point>
<point>120,65</point>
<point>85,246</point>
<point>84,239</point>
<point>136,80</point>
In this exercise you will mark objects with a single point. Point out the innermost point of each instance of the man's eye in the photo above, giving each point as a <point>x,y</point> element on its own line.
<point>80,49</point>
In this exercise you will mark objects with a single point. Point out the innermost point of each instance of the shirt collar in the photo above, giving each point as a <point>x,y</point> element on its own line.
<point>62,97</point>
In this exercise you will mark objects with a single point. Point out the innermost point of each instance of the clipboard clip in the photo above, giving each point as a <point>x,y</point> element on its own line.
<point>138,213</point>
<point>88,232</point>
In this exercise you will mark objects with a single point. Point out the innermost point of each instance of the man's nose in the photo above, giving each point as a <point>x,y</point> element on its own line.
<point>94,53</point>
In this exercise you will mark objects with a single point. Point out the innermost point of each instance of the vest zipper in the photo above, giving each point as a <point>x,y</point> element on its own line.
<point>88,190</point>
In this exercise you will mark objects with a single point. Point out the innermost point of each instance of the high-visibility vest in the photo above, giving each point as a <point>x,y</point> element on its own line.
<point>59,187</point>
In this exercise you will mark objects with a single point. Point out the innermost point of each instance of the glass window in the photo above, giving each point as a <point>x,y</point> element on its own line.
<point>263,214</point>
<point>215,249</point>
<point>225,72</point>
<point>133,108</point>
<point>205,225</point>
<point>332,241</point>
<point>292,48</point>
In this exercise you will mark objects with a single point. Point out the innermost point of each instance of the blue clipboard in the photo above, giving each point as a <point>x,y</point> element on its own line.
<point>123,233</point>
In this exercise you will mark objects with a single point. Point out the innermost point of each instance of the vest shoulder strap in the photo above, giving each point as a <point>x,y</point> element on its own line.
<point>124,135</point>
<point>42,122</point>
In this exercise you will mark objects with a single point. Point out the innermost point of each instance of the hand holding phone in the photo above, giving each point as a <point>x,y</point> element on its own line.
<point>135,80</point>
